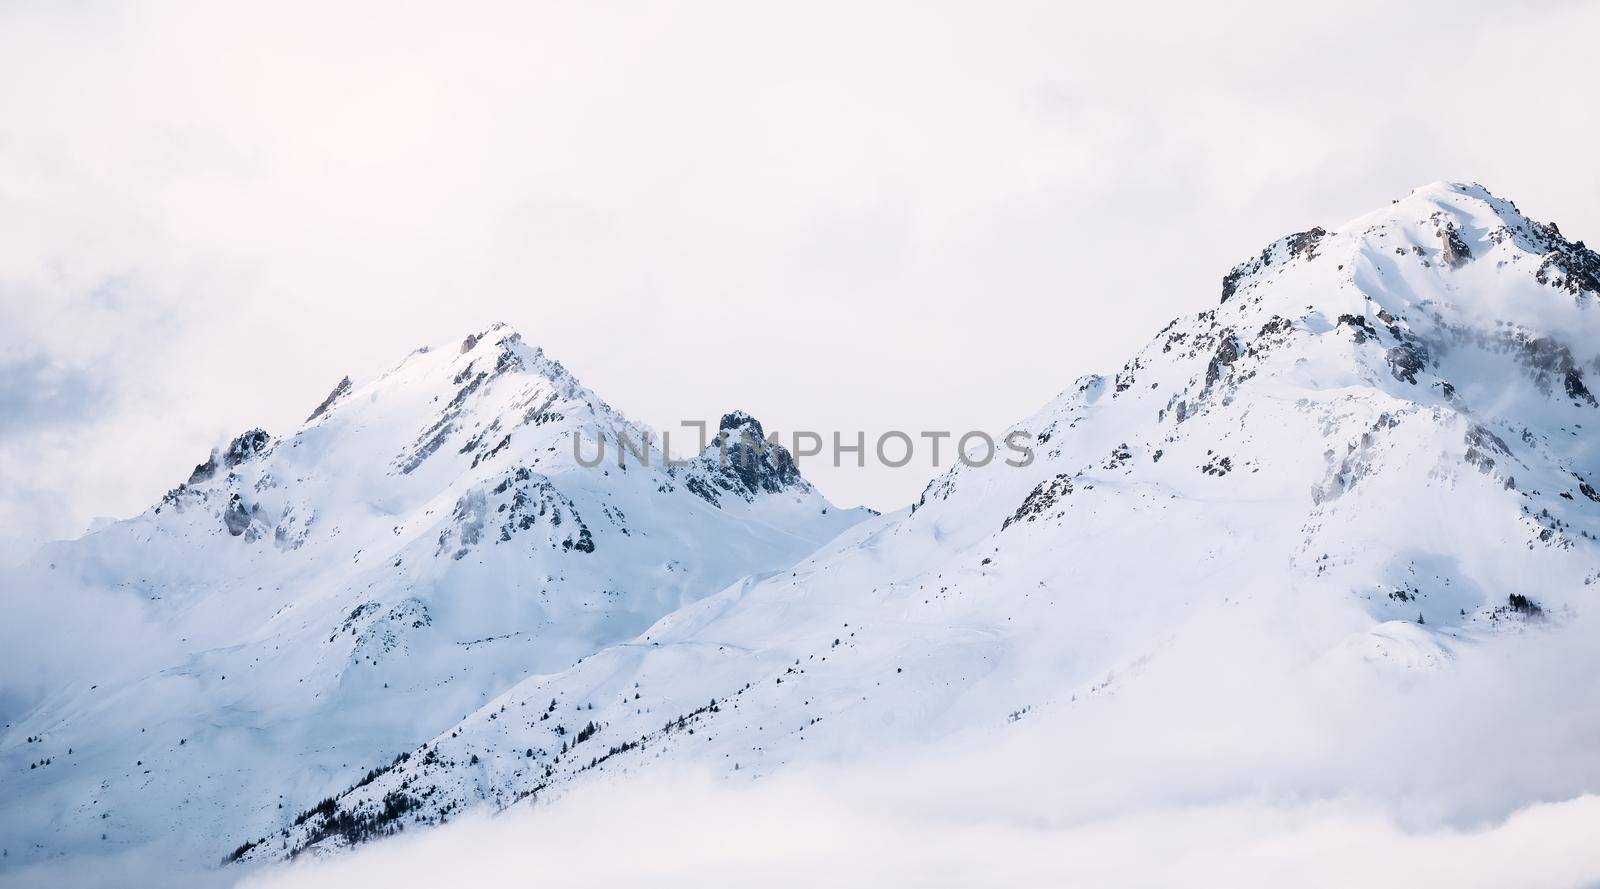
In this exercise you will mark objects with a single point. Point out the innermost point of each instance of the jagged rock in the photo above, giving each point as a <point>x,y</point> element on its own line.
<point>1406,359</point>
<point>740,460</point>
<point>1363,331</point>
<point>1456,251</point>
<point>242,448</point>
<point>1304,244</point>
<point>1230,281</point>
<point>1040,500</point>
<point>204,471</point>
<point>246,446</point>
<point>1227,353</point>
<point>1568,265</point>
<point>235,516</point>
<point>1481,442</point>
<point>1300,245</point>
<point>338,392</point>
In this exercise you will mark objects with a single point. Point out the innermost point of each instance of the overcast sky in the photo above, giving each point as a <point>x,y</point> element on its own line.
<point>908,216</point>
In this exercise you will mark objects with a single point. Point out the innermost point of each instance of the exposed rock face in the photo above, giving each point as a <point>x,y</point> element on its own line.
<point>741,461</point>
<point>1300,245</point>
<point>1304,244</point>
<point>236,518</point>
<point>246,447</point>
<point>758,464</point>
<point>1567,265</point>
<point>1405,360</point>
<point>521,502</point>
<point>1040,500</point>
<point>338,392</point>
<point>1227,353</point>
<point>204,471</point>
<point>1456,251</point>
<point>242,448</point>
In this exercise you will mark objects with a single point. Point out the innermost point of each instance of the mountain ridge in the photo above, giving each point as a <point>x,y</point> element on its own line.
<point>1350,441</point>
<point>1373,446</point>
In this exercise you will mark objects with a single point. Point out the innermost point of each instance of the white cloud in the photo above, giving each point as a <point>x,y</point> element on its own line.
<point>697,832</point>
<point>1238,765</point>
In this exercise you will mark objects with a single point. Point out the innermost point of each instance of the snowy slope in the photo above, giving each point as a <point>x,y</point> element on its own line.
<point>322,601</point>
<point>1373,458</point>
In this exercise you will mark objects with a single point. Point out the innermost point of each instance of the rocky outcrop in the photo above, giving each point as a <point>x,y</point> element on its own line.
<point>1300,245</point>
<point>246,446</point>
<point>236,517</point>
<point>1040,500</point>
<point>242,448</point>
<point>741,461</point>
<point>338,392</point>
<point>1456,251</point>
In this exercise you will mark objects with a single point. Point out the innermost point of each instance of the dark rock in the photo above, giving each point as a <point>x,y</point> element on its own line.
<point>338,392</point>
<point>1304,244</point>
<point>246,446</point>
<point>699,488</point>
<point>1041,498</point>
<point>1218,466</point>
<point>741,460</point>
<point>1456,251</point>
<point>204,471</point>
<point>1227,353</point>
<point>1300,245</point>
<point>1358,323</point>
<point>235,516</point>
<point>1480,444</point>
<point>1573,380</point>
<point>739,421</point>
<point>239,450</point>
<point>1570,266</point>
<point>1406,359</point>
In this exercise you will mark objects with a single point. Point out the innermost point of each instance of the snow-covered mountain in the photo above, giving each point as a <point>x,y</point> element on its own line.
<point>1377,449</point>
<point>325,600</point>
<point>1371,459</point>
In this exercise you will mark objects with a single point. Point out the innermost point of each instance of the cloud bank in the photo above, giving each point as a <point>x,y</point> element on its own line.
<point>1233,765</point>
<point>794,832</point>
<point>1229,760</point>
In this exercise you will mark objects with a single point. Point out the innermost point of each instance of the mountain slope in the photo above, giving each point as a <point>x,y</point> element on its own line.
<point>1370,457</point>
<point>323,601</point>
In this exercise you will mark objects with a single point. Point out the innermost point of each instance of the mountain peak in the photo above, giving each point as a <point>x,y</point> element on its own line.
<point>421,542</point>
<point>739,460</point>
<point>1454,247</point>
<point>739,421</point>
<point>493,333</point>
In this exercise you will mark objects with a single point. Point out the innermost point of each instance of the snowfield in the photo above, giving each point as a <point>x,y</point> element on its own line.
<point>1302,593</point>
